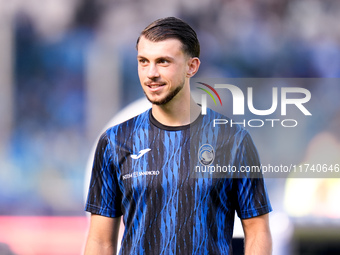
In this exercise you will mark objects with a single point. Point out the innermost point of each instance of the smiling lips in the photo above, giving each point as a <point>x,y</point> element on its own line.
<point>154,86</point>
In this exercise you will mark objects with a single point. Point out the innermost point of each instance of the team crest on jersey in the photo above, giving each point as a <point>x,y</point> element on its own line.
<point>206,154</point>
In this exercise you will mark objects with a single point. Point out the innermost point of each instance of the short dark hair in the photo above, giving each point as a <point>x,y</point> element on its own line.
<point>172,27</point>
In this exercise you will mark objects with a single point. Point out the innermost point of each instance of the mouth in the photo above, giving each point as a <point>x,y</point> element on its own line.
<point>155,86</point>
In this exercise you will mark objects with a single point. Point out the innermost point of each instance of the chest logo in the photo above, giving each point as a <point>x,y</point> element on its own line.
<point>140,153</point>
<point>206,154</point>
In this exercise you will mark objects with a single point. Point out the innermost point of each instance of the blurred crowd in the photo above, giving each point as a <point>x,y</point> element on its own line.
<point>43,162</point>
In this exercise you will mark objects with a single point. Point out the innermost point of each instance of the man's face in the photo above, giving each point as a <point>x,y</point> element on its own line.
<point>162,69</point>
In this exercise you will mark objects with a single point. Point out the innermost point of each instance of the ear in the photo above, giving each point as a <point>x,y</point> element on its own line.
<point>193,65</point>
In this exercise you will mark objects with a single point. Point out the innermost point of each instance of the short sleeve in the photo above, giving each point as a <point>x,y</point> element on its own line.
<point>104,196</point>
<point>251,194</point>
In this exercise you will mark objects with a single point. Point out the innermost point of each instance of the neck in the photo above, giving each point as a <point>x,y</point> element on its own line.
<point>175,113</point>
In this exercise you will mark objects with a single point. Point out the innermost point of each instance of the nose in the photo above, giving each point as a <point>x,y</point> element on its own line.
<point>153,71</point>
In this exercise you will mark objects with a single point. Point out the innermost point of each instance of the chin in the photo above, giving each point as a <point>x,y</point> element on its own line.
<point>157,102</point>
<point>166,99</point>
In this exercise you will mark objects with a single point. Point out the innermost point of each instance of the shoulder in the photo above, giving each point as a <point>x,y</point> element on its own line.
<point>224,125</point>
<point>119,137</point>
<point>129,125</point>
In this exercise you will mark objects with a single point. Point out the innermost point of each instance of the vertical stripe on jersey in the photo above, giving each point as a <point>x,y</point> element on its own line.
<point>200,228</point>
<point>171,157</point>
<point>141,138</point>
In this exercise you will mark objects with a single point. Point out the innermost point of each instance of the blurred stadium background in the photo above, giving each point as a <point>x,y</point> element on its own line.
<point>67,67</point>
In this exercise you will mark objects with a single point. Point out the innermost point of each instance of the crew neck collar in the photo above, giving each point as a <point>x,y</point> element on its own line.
<point>171,128</point>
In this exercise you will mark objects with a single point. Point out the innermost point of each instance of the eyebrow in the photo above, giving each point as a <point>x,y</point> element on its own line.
<point>162,57</point>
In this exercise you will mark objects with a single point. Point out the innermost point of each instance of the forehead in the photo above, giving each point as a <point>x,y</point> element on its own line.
<point>172,47</point>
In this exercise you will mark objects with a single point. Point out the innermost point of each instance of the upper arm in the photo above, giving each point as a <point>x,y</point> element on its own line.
<point>104,195</point>
<point>256,224</point>
<point>251,198</point>
<point>103,235</point>
<point>257,235</point>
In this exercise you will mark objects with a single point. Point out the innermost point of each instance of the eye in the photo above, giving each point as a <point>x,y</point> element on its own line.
<point>163,61</point>
<point>142,61</point>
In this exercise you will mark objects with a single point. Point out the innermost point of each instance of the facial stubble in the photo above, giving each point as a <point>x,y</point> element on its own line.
<point>168,98</point>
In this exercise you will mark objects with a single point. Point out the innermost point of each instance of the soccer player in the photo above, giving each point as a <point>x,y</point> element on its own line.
<point>143,167</point>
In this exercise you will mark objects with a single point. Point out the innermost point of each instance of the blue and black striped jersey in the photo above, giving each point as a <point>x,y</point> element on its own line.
<point>147,172</point>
